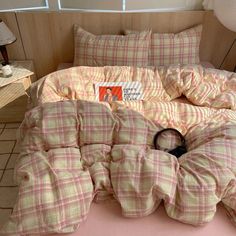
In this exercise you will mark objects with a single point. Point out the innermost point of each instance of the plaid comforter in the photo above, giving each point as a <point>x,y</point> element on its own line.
<point>77,151</point>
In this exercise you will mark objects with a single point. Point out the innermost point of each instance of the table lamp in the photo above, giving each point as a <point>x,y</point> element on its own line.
<point>6,37</point>
<point>225,11</point>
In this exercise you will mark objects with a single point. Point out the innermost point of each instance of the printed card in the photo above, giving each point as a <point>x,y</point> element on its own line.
<point>118,91</point>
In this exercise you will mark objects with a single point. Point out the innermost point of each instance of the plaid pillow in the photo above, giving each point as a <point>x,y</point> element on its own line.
<point>111,50</point>
<point>168,48</point>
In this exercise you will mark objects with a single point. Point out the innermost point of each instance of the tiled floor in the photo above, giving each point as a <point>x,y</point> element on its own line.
<point>8,155</point>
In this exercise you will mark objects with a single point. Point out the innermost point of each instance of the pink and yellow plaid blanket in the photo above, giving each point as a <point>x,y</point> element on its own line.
<point>75,150</point>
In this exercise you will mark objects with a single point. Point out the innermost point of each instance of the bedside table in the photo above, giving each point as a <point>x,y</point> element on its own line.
<point>22,78</point>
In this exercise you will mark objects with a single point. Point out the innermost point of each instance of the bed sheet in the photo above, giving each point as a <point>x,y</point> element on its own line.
<point>106,219</point>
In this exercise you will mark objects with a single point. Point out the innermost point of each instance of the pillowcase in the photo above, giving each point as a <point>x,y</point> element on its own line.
<point>111,50</point>
<point>168,48</point>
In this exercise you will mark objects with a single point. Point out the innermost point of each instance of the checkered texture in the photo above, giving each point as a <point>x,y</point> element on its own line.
<point>169,48</point>
<point>206,175</point>
<point>75,151</point>
<point>56,184</point>
<point>113,50</point>
<point>159,84</point>
<point>8,154</point>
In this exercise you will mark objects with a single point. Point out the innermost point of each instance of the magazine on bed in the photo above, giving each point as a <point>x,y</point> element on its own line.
<point>118,91</point>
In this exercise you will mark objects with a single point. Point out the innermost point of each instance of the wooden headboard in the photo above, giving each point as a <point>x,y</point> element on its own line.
<point>47,37</point>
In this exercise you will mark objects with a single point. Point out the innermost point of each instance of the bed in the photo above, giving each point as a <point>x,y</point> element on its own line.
<point>75,150</point>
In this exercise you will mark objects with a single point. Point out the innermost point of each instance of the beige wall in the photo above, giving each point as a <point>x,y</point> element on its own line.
<point>164,4</point>
<point>105,5</point>
<point>14,4</point>
<point>93,4</point>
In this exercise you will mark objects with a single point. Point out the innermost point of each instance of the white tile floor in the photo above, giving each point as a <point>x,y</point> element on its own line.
<point>8,154</point>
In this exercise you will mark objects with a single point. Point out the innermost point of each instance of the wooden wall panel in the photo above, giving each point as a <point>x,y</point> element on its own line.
<point>49,36</point>
<point>221,39</point>
<point>230,62</point>
<point>163,22</point>
<point>37,38</point>
<point>16,49</point>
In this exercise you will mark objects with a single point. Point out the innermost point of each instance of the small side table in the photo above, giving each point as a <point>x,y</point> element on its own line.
<point>23,76</point>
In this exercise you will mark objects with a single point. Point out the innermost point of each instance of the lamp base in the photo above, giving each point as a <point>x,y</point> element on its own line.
<point>3,51</point>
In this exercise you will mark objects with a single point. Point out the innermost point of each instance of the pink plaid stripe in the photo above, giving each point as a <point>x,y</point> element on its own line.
<point>168,48</point>
<point>57,185</point>
<point>142,178</point>
<point>207,174</point>
<point>97,158</point>
<point>95,121</point>
<point>52,184</point>
<point>102,50</point>
<point>214,88</point>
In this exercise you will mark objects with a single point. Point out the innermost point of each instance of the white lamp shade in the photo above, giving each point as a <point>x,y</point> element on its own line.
<point>225,11</point>
<point>6,36</point>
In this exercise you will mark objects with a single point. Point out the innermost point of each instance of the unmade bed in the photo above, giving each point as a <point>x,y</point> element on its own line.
<point>75,150</point>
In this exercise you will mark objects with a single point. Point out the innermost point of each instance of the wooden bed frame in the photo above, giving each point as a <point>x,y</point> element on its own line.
<point>47,37</point>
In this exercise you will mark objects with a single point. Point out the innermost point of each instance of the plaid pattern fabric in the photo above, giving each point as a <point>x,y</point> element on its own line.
<point>56,186</point>
<point>207,174</point>
<point>97,158</point>
<point>113,50</point>
<point>142,178</point>
<point>55,190</point>
<point>101,151</point>
<point>215,88</point>
<point>168,48</point>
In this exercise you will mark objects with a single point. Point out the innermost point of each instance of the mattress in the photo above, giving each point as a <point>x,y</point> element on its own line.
<point>105,219</point>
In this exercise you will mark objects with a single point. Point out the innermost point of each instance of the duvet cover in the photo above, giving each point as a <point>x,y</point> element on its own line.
<point>75,150</point>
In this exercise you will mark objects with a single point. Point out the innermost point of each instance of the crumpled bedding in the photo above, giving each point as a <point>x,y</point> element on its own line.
<point>75,150</point>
